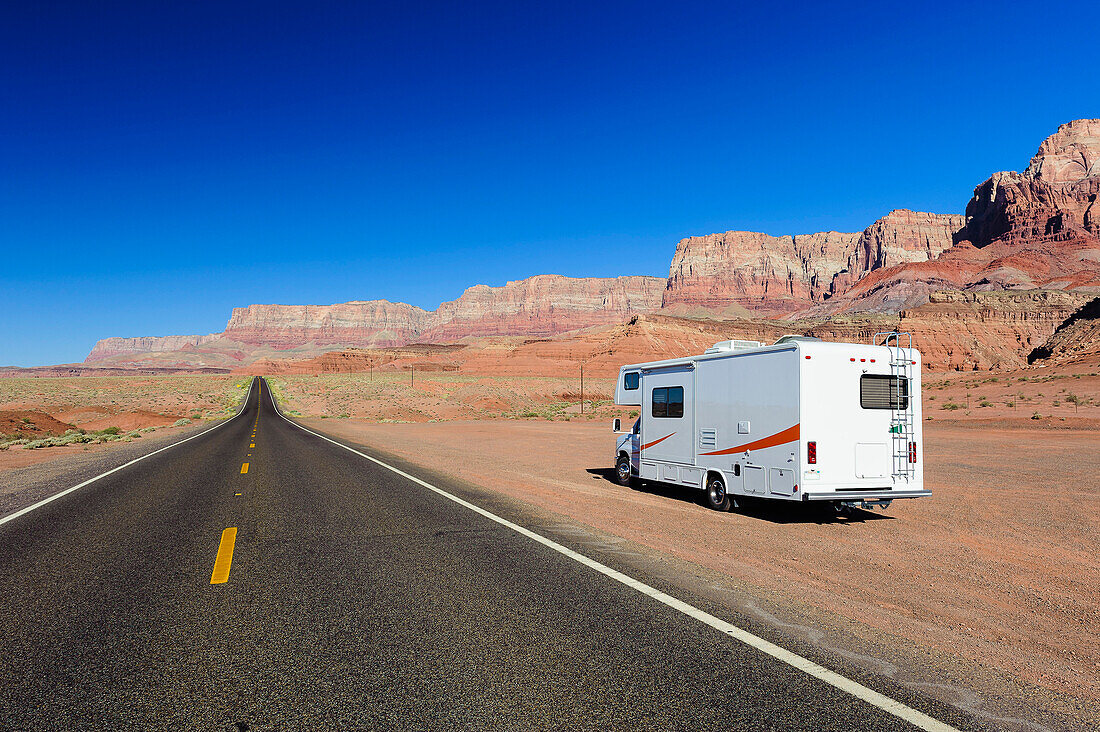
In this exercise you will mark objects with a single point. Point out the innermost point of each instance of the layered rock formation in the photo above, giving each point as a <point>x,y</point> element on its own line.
<point>543,305</point>
<point>901,237</point>
<point>538,306</point>
<point>1036,230</point>
<point>1076,340</point>
<point>966,331</point>
<point>359,323</point>
<point>771,275</point>
<point>112,347</point>
<point>1053,200</point>
<point>1039,229</point>
<point>761,273</point>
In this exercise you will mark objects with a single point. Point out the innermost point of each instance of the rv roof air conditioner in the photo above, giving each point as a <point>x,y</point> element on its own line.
<point>728,346</point>
<point>791,338</point>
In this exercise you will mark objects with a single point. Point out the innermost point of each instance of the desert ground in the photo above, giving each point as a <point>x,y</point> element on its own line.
<point>999,569</point>
<point>997,575</point>
<point>43,419</point>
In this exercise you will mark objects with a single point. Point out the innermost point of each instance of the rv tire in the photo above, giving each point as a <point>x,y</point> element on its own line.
<point>622,471</point>
<point>715,495</point>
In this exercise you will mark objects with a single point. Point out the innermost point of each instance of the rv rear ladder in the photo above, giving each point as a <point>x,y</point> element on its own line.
<point>902,431</point>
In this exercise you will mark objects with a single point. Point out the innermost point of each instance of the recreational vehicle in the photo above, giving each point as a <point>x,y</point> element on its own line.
<point>800,420</point>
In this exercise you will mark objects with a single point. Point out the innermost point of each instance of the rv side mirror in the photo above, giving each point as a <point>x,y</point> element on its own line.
<point>616,426</point>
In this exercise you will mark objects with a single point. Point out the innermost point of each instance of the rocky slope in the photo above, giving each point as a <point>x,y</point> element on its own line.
<point>965,331</point>
<point>1076,340</point>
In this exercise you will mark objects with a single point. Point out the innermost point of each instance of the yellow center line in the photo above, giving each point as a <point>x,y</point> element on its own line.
<point>253,445</point>
<point>236,494</point>
<point>225,557</point>
<point>244,468</point>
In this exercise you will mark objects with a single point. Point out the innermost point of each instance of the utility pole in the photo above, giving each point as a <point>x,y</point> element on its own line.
<point>582,388</point>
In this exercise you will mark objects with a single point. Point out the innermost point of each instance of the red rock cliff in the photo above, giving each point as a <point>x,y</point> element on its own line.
<point>359,323</point>
<point>1053,200</point>
<point>543,305</point>
<point>111,347</point>
<point>762,273</point>
<point>778,275</point>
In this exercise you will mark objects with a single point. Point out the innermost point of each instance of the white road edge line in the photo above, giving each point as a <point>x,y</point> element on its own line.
<point>883,702</point>
<point>67,491</point>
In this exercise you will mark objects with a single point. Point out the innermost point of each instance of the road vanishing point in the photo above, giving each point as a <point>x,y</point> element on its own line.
<point>259,576</point>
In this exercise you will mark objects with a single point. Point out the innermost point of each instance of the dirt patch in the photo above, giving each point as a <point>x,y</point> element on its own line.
<point>1001,567</point>
<point>30,423</point>
<point>136,420</point>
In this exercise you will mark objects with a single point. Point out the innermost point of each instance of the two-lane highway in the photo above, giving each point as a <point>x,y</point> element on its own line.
<point>260,576</point>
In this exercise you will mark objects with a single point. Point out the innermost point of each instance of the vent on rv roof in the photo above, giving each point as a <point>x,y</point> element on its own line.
<point>727,346</point>
<point>791,338</point>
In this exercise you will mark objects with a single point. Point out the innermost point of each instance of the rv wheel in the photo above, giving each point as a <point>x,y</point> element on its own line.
<point>717,498</point>
<point>622,470</point>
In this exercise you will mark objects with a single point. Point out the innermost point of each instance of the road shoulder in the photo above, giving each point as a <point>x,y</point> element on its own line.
<point>846,643</point>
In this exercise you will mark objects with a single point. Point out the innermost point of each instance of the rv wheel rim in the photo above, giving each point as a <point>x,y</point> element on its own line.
<point>717,491</point>
<point>623,468</point>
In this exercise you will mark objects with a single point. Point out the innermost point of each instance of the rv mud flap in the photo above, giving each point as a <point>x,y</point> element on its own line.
<point>864,495</point>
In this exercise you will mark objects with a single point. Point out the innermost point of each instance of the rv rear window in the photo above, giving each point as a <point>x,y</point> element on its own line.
<point>630,381</point>
<point>668,401</point>
<point>883,391</point>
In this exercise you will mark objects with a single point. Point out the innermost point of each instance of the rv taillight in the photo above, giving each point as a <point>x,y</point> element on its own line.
<point>811,453</point>
<point>912,452</point>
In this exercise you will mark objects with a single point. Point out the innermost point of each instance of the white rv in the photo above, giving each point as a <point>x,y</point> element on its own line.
<point>800,420</point>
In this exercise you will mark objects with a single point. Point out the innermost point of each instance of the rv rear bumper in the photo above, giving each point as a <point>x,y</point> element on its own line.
<point>864,495</point>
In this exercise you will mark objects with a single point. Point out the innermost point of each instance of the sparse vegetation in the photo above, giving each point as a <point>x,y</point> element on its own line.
<point>205,396</point>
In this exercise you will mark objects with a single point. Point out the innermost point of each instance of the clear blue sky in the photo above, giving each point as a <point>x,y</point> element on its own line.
<point>162,162</point>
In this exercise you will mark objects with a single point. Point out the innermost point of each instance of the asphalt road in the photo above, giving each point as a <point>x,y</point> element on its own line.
<point>355,599</point>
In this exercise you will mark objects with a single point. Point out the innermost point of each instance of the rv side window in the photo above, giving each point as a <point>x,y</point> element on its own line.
<point>882,391</point>
<point>630,381</point>
<point>668,401</point>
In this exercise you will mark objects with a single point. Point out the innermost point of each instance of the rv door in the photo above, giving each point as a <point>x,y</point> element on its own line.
<point>667,419</point>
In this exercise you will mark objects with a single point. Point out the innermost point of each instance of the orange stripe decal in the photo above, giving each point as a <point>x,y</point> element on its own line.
<point>779,438</point>
<point>651,444</point>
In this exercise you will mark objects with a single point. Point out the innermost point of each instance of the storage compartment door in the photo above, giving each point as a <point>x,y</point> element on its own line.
<point>872,460</point>
<point>782,481</point>
<point>754,479</point>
